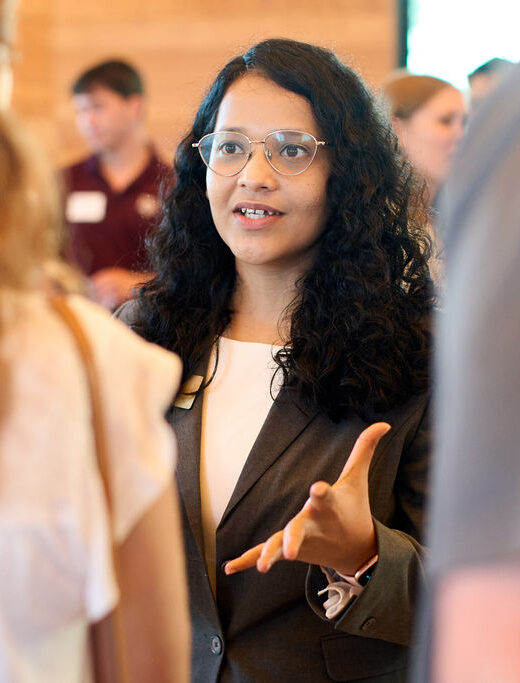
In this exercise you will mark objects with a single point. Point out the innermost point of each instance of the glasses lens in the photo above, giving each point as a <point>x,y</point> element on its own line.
<point>225,153</point>
<point>290,152</point>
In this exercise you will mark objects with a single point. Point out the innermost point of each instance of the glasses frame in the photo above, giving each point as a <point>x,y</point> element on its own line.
<point>319,143</point>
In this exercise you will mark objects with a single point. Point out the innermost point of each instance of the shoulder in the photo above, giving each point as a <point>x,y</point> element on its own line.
<point>80,166</point>
<point>411,420</point>
<point>77,173</point>
<point>414,409</point>
<point>114,342</point>
<point>409,439</point>
<point>405,416</point>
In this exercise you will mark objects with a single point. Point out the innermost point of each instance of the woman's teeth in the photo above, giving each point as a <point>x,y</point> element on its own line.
<point>258,213</point>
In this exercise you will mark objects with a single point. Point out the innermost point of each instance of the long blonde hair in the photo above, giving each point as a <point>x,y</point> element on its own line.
<point>30,210</point>
<point>30,226</point>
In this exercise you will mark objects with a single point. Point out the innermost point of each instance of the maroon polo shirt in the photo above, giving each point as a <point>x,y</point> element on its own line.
<point>107,228</point>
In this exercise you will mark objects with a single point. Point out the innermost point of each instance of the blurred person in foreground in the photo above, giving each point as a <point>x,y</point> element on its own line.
<point>475,530</point>
<point>428,115</point>
<point>56,573</point>
<point>111,196</point>
<point>484,79</point>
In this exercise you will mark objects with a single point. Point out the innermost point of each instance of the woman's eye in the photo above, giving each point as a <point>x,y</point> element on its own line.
<point>293,151</point>
<point>230,148</point>
<point>447,120</point>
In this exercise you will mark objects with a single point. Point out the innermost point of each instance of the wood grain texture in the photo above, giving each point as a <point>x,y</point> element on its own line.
<point>178,45</point>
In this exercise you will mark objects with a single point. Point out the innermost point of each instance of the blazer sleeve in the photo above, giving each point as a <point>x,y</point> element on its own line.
<point>127,313</point>
<point>385,608</point>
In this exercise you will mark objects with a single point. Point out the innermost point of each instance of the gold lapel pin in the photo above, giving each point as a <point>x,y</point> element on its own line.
<point>188,392</point>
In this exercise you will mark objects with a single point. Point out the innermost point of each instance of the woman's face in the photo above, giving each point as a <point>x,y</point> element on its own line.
<point>284,237</point>
<point>430,136</point>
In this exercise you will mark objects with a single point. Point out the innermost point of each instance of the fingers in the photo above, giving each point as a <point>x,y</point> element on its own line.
<point>245,561</point>
<point>271,552</point>
<point>358,462</point>
<point>293,537</point>
<point>263,556</point>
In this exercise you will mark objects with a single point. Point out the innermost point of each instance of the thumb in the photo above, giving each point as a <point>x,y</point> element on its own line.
<point>360,458</point>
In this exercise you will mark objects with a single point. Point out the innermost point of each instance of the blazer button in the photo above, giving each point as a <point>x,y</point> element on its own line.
<point>215,644</point>
<point>368,625</point>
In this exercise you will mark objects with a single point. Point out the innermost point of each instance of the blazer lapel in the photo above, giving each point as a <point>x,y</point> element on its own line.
<point>285,421</point>
<point>187,425</point>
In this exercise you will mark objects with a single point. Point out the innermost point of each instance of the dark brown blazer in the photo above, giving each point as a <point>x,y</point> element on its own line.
<point>271,627</point>
<point>261,627</point>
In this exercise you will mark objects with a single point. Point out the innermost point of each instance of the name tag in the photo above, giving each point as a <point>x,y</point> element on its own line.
<point>186,396</point>
<point>86,207</point>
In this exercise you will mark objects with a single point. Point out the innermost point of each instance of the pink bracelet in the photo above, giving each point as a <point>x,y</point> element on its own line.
<point>363,574</point>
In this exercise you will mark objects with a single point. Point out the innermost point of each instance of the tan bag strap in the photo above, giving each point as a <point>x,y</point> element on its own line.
<point>107,637</point>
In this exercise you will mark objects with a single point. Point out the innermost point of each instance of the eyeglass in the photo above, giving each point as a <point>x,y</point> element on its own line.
<point>289,152</point>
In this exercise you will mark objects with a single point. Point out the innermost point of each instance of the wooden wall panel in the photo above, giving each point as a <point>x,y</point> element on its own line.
<point>179,45</point>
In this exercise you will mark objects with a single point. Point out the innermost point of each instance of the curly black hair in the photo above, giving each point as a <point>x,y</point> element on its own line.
<point>359,327</point>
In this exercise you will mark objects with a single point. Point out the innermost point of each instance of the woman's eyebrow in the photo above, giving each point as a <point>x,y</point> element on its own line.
<point>231,129</point>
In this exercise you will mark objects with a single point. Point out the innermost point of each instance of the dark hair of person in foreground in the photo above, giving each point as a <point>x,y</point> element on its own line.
<point>359,326</point>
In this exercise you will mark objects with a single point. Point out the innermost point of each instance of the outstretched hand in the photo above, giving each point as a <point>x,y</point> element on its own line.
<point>334,528</point>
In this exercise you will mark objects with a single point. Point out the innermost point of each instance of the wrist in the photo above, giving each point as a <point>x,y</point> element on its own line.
<point>364,551</point>
<point>363,574</point>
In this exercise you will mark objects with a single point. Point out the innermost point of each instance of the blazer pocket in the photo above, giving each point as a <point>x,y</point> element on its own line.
<point>351,658</point>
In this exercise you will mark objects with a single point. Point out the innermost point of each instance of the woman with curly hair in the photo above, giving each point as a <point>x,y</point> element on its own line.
<point>292,280</point>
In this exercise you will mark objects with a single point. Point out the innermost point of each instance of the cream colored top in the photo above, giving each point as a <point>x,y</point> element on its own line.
<point>235,406</point>
<point>55,568</point>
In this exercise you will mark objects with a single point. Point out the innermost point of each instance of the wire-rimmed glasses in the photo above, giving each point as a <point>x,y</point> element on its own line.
<point>289,152</point>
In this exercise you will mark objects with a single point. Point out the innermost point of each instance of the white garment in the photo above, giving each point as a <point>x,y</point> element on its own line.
<point>55,569</point>
<point>235,406</point>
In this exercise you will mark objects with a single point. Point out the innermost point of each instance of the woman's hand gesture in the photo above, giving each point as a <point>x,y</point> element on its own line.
<point>334,528</point>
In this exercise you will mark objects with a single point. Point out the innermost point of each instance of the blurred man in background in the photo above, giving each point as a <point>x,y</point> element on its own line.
<point>111,197</point>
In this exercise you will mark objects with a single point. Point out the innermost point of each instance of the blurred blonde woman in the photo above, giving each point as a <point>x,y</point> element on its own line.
<point>56,574</point>
<point>428,116</point>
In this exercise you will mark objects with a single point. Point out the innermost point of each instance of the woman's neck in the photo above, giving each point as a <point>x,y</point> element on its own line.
<point>259,304</point>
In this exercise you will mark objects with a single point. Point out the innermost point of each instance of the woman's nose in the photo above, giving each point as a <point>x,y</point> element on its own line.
<point>258,173</point>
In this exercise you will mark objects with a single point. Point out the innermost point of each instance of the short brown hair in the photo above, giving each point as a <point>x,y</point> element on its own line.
<point>114,74</point>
